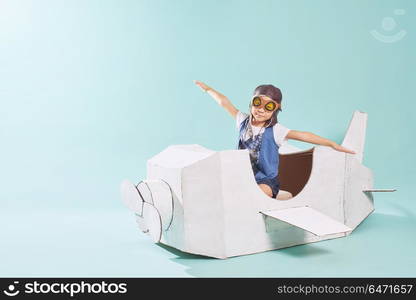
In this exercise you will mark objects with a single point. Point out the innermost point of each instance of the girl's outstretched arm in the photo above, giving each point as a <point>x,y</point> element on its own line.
<point>222,100</point>
<point>309,137</point>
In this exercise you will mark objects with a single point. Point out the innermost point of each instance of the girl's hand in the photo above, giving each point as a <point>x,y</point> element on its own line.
<point>202,85</point>
<point>341,149</point>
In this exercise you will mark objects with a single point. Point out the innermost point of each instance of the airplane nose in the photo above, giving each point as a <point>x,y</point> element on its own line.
<point>152,202</point>
<point>158,193</point>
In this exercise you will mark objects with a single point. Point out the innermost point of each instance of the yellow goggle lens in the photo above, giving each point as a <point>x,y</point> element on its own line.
<point>256,101</point>
<point>270,106</point>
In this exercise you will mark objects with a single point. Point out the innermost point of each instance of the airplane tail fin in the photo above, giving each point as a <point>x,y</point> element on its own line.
<point>354,138</point>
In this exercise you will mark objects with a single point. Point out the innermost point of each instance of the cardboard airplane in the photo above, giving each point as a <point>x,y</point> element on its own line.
<point>207,202</point>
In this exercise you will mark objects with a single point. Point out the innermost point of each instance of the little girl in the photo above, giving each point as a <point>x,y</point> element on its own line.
<point>262,134</point>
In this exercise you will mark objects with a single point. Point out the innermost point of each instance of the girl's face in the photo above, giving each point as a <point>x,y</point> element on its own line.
<point>260,113</point>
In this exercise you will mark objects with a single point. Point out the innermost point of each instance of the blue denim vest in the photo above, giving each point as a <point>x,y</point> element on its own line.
<point>268,162</point>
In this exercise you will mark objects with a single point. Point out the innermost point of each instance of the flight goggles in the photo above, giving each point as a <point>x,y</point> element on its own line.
<point>269,106</point>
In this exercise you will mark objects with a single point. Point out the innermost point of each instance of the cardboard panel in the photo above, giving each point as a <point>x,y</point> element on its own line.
<point>324,190</point>
<point>131,197</point>
<point>379,190</point>
<point>141,223</point>
<point>171,175</point>
<point>308,219</point>
<point>179,156</point>
<point>145,192</point>
<point>355,136</point>
<point>162,199</point>
<point>203,207</point>
<point>153,222</point>
<point>288,148</point>
<point>357,204</point>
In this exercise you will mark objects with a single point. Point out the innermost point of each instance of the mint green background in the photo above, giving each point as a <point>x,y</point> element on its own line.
<point>90,90</point>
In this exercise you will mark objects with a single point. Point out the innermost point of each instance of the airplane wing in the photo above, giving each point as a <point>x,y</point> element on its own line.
<point>308,219</point>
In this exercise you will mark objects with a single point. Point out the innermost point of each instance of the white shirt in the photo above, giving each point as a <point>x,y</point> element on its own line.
<point>279,131</point>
